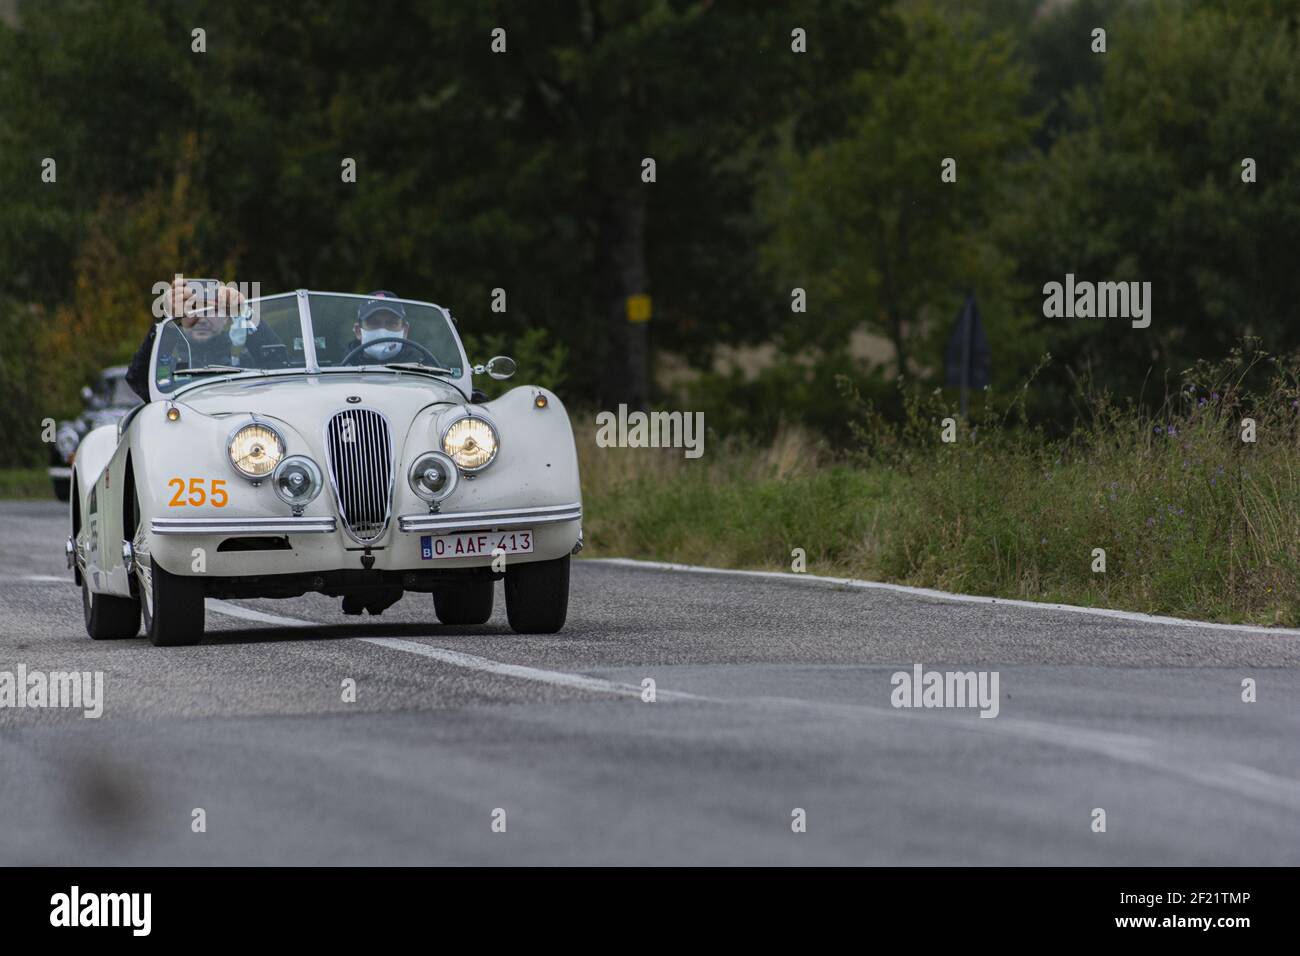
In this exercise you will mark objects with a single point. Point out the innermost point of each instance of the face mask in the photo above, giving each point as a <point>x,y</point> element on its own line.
<point>238,333</point>
<point>384,350</point>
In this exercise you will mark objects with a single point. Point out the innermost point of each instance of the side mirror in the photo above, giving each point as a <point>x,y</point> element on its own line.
<point>500,367</point>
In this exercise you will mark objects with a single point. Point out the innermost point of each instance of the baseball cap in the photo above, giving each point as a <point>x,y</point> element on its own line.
<point>378,302</point>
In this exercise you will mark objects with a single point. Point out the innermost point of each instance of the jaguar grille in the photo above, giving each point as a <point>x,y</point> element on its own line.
<point>361,468</point>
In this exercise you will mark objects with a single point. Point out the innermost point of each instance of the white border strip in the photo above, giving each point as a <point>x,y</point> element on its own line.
<point>947,595</point>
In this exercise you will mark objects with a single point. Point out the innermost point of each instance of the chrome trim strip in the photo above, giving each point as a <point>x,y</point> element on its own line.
<point>308,332</point>
<point>243,525</point>
<point>447,522</point>
<point>356,295</point>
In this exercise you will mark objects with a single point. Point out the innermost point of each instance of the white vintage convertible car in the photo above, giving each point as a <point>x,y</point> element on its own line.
<point>321,442</point>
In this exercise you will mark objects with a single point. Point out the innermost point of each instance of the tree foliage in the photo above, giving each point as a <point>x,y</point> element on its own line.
<point>1148,186</point>
<point>867,223</point>
<point>521,170</point>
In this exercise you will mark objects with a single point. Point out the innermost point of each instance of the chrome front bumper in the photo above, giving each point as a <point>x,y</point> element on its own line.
<point>243,525</point>
<point>453,521</point>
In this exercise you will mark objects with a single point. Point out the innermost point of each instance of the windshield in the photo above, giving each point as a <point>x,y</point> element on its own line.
<point>207,344</point>
<point>349,332</point>
<point>358,330</point>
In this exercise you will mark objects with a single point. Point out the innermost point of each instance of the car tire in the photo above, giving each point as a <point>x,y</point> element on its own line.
<point>537,596</point>
<point>62,488</point>
<point>109,618</point>
<point>174,616</point>
<point>470,603</point>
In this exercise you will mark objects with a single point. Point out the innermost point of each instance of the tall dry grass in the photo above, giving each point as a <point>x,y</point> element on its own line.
<point>1193,521</point>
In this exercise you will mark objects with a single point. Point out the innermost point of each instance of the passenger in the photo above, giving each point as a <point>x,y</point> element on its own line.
<point>206,337</point>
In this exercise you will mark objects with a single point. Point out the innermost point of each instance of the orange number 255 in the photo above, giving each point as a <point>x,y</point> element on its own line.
<point>197,496</point>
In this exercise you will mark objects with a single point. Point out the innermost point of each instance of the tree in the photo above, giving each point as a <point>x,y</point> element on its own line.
<point>867,224</point>
<point>106,91</point>
<point>589,90</point>
<point>1148,186</point>
<point>476,169</point>
<point>117,265</point>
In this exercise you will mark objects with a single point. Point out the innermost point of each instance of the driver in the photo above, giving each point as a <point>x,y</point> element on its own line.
<point>381,326</point>
<point>211,338</point>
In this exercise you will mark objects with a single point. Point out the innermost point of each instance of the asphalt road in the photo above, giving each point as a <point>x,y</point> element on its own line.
<point>773,694</point>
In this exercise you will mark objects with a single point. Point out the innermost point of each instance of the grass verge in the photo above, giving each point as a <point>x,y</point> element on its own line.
<point>1193,520</point>
<point>25,483</point>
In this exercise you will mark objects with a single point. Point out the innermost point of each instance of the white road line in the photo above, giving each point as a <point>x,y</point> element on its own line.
<point>49,578</point>
<point>455,658</point>
<point>945,595</point>
<point>248,614</point>
<point>557,678</point>
<point>1141,752</point>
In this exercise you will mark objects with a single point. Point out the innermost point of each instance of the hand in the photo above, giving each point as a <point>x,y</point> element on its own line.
<point>176,300</point>
<point>230,302</point>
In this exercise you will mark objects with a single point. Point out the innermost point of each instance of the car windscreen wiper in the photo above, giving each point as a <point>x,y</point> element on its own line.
<point>215,370</point>
<point>419,367</point>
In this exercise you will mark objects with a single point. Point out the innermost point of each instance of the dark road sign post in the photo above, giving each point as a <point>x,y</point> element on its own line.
<point>966,359</point>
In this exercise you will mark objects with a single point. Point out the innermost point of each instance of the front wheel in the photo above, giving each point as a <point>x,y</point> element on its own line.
<point>469,603</point>
<point>173,608</point>
<point>537,596</point>
<point>109,618</point>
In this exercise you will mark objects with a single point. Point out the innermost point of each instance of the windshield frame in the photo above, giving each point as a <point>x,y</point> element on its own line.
<point>462,383</point>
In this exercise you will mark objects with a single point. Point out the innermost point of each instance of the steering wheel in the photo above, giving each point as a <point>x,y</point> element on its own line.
<point>347,359</point>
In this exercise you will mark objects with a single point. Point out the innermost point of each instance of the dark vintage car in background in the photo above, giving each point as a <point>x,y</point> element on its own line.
<point>106,402</point>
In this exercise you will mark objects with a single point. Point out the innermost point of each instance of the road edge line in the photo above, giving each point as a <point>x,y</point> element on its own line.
<point>862,584</point>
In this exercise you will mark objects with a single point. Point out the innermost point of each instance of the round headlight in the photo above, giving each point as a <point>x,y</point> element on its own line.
<point>471,442</point>
<point>256,449</point>
<point>297,481</point>
<point>66,440</point>
<point>433,476</point>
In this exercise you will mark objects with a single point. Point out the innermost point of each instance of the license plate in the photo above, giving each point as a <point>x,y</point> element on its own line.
<point>475,544</point>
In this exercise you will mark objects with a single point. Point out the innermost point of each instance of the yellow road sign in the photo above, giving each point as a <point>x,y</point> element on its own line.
<point>638,308</point>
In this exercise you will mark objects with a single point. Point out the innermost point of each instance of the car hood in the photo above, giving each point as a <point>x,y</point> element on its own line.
<point>397,395</point>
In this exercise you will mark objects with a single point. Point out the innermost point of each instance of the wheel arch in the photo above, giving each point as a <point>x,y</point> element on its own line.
<point>130,517</point>
<point>74,502</point>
